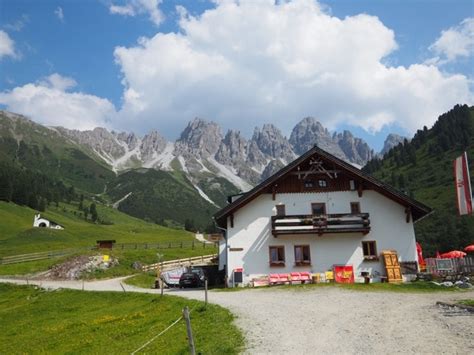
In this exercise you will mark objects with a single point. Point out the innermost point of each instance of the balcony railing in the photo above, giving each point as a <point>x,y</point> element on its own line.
<point>321,224</point>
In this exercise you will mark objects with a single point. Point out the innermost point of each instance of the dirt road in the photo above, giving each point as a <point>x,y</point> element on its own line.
<point>332,320</point>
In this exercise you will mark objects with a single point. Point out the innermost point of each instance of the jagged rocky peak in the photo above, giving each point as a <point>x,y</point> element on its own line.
<point>199,139</point>
<point>355,149</point>
<point>99,140</point>
<point>391,141</point>
<point>130,139</point>
<point>307,133</point>
<point>232,149</point>
<point>272,143</point>
<point>272,167</point>
<point>152,143</point>
<point>310,132</point>
<point>255,157</point>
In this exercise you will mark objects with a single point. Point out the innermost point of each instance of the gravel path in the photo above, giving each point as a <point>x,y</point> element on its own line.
<point>331,320</point>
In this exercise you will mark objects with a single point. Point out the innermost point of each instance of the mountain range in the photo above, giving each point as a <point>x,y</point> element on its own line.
<point>203,148</point>
<point>203,164</point>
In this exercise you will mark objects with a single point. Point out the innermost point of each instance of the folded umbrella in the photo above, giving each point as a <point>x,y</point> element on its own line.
<point>453,254</point>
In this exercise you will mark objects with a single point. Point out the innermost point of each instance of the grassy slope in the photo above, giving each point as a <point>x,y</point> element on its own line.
<point>431,180</point>
<point>18,237</point>
<point>66,321</point>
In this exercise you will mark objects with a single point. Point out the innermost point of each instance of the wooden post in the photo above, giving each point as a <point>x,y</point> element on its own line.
<point>161,286</point>
<point>82,285</point>
<point>360,189</point>
<point>408,214</point>
<point>189,331</point>
<point>205,291</point>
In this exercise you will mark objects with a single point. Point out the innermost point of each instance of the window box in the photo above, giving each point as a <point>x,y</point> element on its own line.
<point>303,263</point>
<point>277,263</point>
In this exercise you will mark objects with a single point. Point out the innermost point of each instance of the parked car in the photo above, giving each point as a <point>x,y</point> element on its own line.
<point>189,279</point>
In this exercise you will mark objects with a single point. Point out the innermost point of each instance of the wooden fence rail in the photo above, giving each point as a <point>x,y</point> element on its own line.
<point>122,246</point>
<point>14,259</point>
<point>450,266</point>
<point>167,245</point>
<point>180,262</point>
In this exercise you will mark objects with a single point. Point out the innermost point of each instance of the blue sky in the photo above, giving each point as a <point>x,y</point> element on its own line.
<point>82,63</point>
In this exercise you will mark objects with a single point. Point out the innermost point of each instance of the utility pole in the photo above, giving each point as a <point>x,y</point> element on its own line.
<point>192,350</point>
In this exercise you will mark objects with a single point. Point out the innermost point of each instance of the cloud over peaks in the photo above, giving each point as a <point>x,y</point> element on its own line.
<point>245,62</point>
<point>48,103</point>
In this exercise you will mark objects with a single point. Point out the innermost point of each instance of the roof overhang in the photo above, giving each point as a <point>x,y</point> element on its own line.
<point>418,210</point>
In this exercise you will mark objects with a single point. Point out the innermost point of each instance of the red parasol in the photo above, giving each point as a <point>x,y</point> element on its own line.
<point>469,248</point>
<point>453,254</point>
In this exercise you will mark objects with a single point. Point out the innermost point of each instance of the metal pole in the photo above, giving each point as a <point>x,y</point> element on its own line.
<point>205,291</point>
<point>189,331</point>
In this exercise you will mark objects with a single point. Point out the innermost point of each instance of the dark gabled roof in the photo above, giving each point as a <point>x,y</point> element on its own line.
<point>418,209</point>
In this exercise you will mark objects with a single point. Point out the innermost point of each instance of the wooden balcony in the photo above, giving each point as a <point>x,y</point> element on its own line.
<point>321,224</point>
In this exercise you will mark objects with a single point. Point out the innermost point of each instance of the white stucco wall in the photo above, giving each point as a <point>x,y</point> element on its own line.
<point>252,232</point>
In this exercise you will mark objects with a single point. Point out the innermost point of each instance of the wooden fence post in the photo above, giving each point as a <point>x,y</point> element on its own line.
<point>189,331</point>
<point>205,291</point>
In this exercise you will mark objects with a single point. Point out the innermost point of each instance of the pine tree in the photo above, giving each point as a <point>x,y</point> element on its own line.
<point>93,211</point>
<point>401,181</point>
<point>42,205</point>
<point>81,203</point>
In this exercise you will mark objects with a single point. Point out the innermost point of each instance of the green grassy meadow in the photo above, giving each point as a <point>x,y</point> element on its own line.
<point>17,236</point>
<point>66,321</point>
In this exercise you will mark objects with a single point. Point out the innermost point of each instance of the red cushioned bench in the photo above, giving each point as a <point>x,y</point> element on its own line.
<point>278,279</point>
<point>300,277</point>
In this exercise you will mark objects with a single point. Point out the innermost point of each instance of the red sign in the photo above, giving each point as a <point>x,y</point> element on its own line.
<point>344,274</point>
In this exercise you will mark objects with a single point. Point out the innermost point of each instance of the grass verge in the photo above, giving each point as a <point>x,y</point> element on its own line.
<point>143,280</point>
<point>468,302</point>
<point>66,321</point>
<point>412,287</point>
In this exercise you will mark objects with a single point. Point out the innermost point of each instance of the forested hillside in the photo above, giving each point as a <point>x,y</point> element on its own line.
<point>31,146</point>
<point>166,198</point>
<point>423,168</point>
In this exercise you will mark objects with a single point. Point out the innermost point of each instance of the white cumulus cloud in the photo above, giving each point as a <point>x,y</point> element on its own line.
<point>247,62</point>
<point>455,42</point>
<point>59,13</point>
<point>139,7</point>
<point>49,103</point>
<point>7,45</point>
